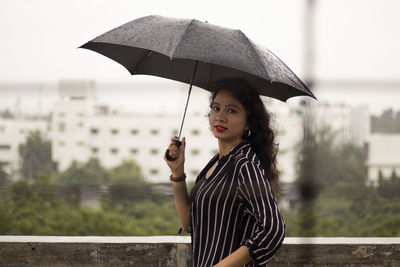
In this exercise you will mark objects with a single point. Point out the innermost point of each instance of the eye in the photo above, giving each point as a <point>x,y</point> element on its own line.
<point>214,108</point>
<point>231,110</point>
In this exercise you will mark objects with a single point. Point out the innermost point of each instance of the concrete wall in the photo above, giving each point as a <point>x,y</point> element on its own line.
<point>176,251</point>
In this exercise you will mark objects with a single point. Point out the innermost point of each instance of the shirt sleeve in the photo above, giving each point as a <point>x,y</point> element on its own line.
<point>269,231</point>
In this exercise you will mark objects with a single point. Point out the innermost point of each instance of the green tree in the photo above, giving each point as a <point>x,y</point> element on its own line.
<point>387,122</point>
<point>127,173</point>
<point>90,173</point>
<point>6,114</point>
<point>3,174</point>
<point>306,180</point>
<point>30,209</point>
<point>347,210</point>
<point>332,162</point>
<point>344,205</point>
<point>389,187</point>
<point>36,156</point>
<point>130,207</point>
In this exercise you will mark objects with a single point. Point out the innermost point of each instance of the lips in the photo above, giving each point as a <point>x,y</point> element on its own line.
<point>220,128</point>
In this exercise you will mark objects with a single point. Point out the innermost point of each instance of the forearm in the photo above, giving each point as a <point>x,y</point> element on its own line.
<point>181,196</point>
<point>238,258</point>
<point>182,204</point>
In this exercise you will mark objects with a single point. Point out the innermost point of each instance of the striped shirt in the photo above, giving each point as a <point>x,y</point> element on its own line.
<point>234,207</point>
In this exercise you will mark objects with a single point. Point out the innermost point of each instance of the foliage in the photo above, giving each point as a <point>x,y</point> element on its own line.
<point>344,205</point>
<point>36,156</point>
<point>29,210</point>
<point>127,173</point>
<point>6,114</point>
<point>348,210</point>
<point>332,162</point>
<point>90,173</point>
<point>387,122</point>
<point>3,174</point>
<point>389,187</point>
<point>51,204</point>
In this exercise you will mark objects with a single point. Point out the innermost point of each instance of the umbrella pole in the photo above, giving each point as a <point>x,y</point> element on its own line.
<point>187,100</point>
<point>177,142</point>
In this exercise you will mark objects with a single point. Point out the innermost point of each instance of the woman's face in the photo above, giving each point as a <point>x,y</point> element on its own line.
<point>227,117</point>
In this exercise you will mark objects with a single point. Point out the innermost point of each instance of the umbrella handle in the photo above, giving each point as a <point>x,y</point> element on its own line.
<point>167,156</point>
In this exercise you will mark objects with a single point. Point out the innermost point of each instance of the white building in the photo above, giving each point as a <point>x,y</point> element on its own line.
<point>383,156</point>
<point>349,123</point>
<point>289,134</point>
<point>69,122</point>
<point>13,133</point>
<point>82,130</point>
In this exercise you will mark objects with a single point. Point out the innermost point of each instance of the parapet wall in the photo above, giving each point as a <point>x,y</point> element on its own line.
<point>176,251</point>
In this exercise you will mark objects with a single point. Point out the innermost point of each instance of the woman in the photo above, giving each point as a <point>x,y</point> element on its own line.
<point>232,212</point>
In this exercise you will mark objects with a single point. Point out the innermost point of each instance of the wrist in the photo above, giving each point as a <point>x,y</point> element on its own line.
<point>180,178</point>
<point>177,173</point>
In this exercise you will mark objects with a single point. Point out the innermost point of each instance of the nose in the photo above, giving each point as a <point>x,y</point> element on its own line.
<point>220,117</point>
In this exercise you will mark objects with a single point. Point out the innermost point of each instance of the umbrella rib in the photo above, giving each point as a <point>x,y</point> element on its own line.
<point>211,74</point>
<point>171,55</point>
<point>255,51</point>
<point>297,79</point>
<point>141,60</point>
<point>269,77</point>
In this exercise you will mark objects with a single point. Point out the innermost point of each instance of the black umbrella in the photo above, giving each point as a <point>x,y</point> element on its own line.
<point>198,53</point>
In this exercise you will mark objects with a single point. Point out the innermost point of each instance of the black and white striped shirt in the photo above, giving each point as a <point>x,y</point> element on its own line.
<point>232,208</point>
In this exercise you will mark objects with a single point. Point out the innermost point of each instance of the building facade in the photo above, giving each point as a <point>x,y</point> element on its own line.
<point>383,156</point>
<point>81,128</point>
<point>350,124</point>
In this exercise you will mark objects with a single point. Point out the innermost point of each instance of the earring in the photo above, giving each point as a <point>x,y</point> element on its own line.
<point>246,134</point>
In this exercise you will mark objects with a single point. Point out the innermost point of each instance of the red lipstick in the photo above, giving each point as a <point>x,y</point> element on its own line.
<point>220,129</point>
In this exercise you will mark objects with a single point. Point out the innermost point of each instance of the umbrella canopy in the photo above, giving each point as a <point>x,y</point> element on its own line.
<point>198,53</point>
<point>173,48</point>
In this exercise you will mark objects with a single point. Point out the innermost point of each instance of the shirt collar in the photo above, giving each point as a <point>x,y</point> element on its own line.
<point>235,150</point>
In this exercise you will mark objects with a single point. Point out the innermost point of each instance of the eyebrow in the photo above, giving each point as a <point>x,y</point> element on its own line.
<point>229,105</point>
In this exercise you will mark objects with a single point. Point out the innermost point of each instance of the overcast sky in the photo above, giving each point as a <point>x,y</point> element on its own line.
<point>354,39</point>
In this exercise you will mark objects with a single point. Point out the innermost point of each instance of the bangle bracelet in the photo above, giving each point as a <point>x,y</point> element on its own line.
<point>178,179</point>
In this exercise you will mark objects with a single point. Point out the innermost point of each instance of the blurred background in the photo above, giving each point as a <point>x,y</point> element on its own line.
<point>82,141</point>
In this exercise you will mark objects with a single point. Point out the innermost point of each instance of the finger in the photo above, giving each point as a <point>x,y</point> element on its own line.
<point>172,144</point>
<point>173,153</point>
<point>183,146</point>
<point>174,148</point>
<point>171,147</point>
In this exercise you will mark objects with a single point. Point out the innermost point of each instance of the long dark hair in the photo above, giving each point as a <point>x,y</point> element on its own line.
<point>262,135</point>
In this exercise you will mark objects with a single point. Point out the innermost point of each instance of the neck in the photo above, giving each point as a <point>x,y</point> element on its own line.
<point>226,146</point>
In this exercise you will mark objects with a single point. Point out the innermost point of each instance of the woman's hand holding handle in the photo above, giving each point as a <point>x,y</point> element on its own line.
<point>176,151</point>
<point>167,155</point>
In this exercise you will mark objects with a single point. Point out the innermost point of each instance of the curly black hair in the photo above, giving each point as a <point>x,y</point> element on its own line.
<point>262,134</point>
